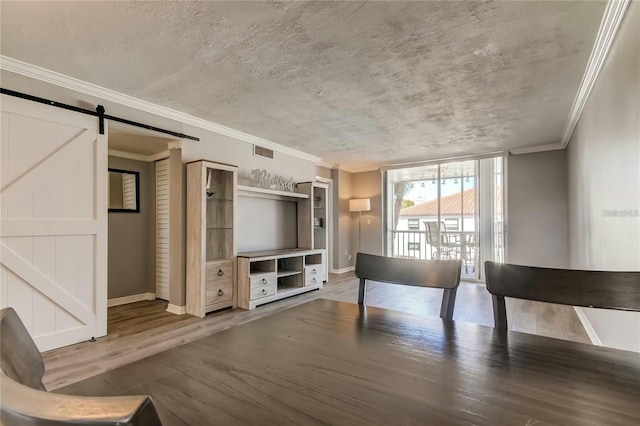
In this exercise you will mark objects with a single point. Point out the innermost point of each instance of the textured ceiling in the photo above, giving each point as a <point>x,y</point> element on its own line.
<point>350,82</point>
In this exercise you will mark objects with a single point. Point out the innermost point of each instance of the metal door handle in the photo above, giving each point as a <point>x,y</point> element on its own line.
<point>220,292</point>
<point>220,272</point>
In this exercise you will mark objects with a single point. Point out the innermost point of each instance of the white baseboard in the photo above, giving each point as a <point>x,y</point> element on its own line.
<point>587,326</point>
<point>175,309</point>
<point>343,270</point>
<point>130,299</point>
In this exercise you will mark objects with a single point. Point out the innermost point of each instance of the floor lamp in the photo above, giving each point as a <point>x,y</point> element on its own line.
<point>360,205</point>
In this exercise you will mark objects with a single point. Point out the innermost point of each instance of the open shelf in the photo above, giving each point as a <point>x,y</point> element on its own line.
<point>284,287</point>
<point>313,259</point>
<point>262,266</point>
<point>290,282</point>
<point>255,191</point>
<point>219,244</point>
<point>285,273</point>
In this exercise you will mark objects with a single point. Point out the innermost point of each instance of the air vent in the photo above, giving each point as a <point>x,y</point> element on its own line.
<point>262,152</point>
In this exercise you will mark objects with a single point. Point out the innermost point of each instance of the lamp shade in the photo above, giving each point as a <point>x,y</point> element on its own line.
<point>360,205</point>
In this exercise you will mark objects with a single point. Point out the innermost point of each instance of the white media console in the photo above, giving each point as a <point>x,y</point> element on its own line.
<point>266,276</point>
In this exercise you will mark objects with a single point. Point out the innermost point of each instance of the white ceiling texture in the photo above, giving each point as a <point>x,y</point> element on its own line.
<point>350,82</point>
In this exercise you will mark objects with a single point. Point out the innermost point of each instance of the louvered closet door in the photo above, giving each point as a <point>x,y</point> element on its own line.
<point>129,191</point>
<point>53,222</point>
<point>162,229</point>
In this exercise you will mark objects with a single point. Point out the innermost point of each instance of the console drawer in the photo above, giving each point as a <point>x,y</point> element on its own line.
<point>218,291</point>
<point>260,291</point>
<point>261,280</point>
<point>312,280</point>
<point>314,271</point>
<point>219,270</point>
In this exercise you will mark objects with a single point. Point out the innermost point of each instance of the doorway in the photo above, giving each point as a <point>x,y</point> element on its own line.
<point>448,210</point>
<point>138,236</point>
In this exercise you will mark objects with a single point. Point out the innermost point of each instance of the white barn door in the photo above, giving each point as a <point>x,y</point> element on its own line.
<point>53,222</point>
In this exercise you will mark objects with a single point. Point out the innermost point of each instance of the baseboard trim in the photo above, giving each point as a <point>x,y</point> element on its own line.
<point>177,310</point>
<point>130,299</point>
<point>593,336</point>
<point>343,270</point>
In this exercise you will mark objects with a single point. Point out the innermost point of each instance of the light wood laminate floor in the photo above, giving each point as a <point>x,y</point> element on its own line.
<point>142,329</point>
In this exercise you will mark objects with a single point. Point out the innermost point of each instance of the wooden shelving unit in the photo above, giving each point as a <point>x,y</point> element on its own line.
<point>267,276</point>
<point>211,249</point>
<point>313,232</point>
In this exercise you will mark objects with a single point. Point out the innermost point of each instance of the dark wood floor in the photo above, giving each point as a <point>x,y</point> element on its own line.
<point>141,329</point>
<point>138,317</point>
<point>330,362</point>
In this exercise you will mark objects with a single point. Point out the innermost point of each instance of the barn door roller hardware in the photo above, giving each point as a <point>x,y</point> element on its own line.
<point>99,112</point>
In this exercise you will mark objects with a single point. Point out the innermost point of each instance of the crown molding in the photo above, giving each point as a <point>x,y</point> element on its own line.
<point>611,20</point>
<point>138,157</point>
<point>55,78</point>
<point>537,148</point>
<point>358,169</point>
<point>326,164</point>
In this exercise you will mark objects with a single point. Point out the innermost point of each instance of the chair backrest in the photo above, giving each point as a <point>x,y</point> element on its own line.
<point>26,401</point>
<point>20,359</point>
<point>594,289</point>
<point>443,274</point>
<point>433,232</point>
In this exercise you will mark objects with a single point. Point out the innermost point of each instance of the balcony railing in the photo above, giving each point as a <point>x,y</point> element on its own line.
<point>454,245</point>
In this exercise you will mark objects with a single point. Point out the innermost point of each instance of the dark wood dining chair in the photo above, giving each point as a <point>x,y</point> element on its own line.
<point>25,400</point>
<point>592,289</point>
<point>444,274</point>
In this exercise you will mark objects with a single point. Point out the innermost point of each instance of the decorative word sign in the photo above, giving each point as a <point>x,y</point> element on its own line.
<point>263,179</point>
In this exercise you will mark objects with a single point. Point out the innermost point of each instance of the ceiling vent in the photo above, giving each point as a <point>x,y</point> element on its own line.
<point>262,152</point>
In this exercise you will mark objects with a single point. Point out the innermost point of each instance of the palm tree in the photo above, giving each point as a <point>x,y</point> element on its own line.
<point>400,189</point>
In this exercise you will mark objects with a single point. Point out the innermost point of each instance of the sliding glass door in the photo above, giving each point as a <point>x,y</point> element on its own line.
<point>449,210</point>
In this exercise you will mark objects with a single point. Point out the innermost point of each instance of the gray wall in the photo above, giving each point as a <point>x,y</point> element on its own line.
<point>224,149</point>
<point>537,209</point>
<point>131,253</point>
<point>342,242</point>
<point>266,224</point>
<point>368,185</point>
<point>604,174</point>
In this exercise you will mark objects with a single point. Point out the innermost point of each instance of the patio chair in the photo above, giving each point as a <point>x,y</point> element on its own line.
<point>470,252</point>
<point>441,243</point>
